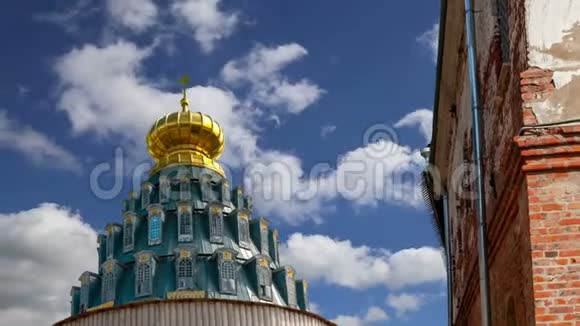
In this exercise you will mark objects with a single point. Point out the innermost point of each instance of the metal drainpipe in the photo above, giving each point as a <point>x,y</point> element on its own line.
<point>447,226</point>
<point>478,157</point>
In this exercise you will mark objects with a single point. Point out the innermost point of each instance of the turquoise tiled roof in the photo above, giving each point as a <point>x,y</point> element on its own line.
<point>260,252</point>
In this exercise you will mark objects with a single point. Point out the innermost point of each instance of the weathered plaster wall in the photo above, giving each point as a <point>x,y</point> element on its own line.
<point>553,33</point>
<point>509,248</point>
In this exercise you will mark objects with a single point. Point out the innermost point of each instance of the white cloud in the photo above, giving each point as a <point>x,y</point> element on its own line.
<point>69,18</point>
<point>404,303</point>
<point>430,40</point>
<point>136,15</point>
<point>339,262</point>
<point>104,92</point>
<point>35,145</point>
<point>208,22</point>
<point>421,117</point>
<point>373,315</point>
<point>367,176</point>
<point>325,131</point>
<point>262,62</point>
<point>379,172</point>
<point>44,250</point>
<point>261,70</point>
<point>296,97</point>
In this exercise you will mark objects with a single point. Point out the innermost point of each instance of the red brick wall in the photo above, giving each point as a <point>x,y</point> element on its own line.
<point>532,185</point>
<point>552,164</point>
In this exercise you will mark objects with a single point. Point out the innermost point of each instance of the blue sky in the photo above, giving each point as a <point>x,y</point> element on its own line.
<point>297,83</point>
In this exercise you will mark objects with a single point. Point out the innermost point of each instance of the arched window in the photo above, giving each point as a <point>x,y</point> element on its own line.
<point>185,274</point>
<point>239,198</point>
<point>225,190</point>
<point>265,283</point>
<point>128,234</point>
<point>185,226</point>
<point>185,223</point>
<point>185,189</point>
<point>227,271</point>
<point>291,288</point>
<point>164,189</point>
<point>145,195</point>
<point>274,248</point>
<point>108,287</point>
<point>216,225</point>
<point>264,238</point>
<point>110,244</point>
<point>84,297</point>
<point>155,229</point>
<point>143,280</point>
<point>248,203</point>
<point>206,189</point>
<point>244,231</point>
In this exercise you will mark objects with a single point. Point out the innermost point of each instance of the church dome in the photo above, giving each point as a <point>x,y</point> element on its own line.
<point>188,241</point>
<point>186,138</point>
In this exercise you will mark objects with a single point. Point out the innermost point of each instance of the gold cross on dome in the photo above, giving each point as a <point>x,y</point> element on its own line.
<point>184,82</point>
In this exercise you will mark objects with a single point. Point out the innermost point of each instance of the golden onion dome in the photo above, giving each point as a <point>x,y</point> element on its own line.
<point>186,138</point>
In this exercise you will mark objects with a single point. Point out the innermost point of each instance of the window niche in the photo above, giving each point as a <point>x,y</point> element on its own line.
<point>185,224</point>
<point>146,190</point>
<point>238,198</point>
<point>111,271</point>
<point>302,294</point>
<point>244,239</point>
<point>108,285</point>
<point>156,217</point>
<point>88,285</point>
<point>264,237</point>
<point>145,264</point>
<point>131,201</point>
<point>274,247</point>
<point>206,188</point>
<point>225,192</point>
<point>102,247</point>
<point>75,294</point>
<point>185,268</point>
<point>259,233</point>
<point>129,227</point>
<point>216,223</point>
<point>284,279</point>
<point>227,270</point>
<point>185,188</point>
<point>85,295</point>
<point>248,203</point>
<point>264,279</point>
<point>264,248</point>
<point>291,290</point>
<point>164,189</point>
<point>113,230</point>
